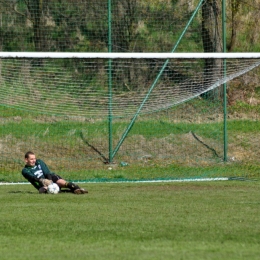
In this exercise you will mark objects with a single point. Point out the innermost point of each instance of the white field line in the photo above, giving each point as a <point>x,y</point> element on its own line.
<point>129,181</point>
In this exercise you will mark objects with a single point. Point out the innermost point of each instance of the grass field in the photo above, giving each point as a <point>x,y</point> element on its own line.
<point>177,220</point>
<point>202,220</point>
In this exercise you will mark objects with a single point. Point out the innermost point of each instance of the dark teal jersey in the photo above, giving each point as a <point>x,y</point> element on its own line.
<point>35,173</point>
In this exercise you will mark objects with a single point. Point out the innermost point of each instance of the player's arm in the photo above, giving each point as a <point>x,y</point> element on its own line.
<point>34,180</point>
<point>45,169</point>
<point>29,176</point>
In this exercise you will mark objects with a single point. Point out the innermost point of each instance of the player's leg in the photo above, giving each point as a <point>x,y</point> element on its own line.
<point>64,184</point>
<point>72,186</point>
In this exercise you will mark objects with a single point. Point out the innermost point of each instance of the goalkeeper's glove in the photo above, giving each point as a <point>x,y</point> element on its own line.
<point>45,182</point>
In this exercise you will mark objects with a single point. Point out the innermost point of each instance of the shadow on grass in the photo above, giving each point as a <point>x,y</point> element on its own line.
<point>19,191</point>
<point>35,192</point>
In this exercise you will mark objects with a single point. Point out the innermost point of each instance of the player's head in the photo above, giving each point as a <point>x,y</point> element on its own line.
<point>30,158</point>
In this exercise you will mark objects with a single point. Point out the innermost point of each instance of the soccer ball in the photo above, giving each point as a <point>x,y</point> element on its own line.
<point>53,188</point>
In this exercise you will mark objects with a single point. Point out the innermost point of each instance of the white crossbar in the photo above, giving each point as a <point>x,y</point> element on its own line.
<point>123,55</point>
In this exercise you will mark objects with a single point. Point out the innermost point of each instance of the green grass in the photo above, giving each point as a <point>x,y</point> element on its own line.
<point>146,172</point>
<point>244,126</point>
<point>148,129</point>
<point>173,149</point>
<point>217,220</point>
<point>159,172</point>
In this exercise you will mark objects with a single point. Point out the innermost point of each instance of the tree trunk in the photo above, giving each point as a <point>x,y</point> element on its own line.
<point>212,42</point>
<point>35,9</point>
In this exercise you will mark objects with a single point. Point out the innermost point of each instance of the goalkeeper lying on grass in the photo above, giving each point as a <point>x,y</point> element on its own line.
<point>39,175</point>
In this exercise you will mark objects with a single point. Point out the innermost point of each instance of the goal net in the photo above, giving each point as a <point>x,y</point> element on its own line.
<point>94,85</point>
